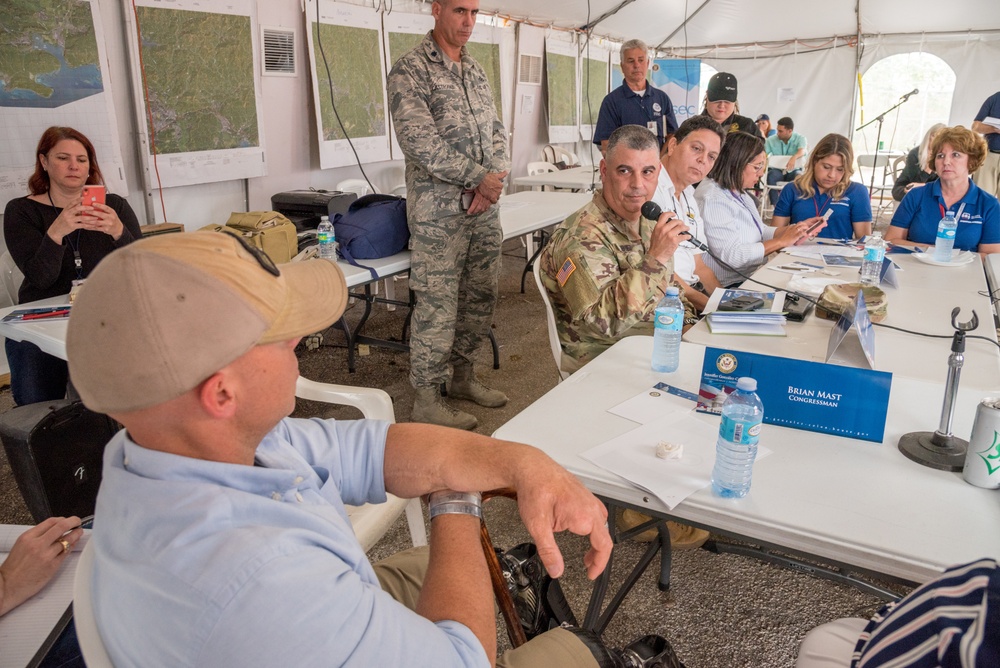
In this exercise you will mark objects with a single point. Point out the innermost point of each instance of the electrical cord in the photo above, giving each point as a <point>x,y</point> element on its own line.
<point>652,207</point>
<point>333,102</point>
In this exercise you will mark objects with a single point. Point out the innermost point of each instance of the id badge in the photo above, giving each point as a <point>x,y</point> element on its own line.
<point>651,126</point>
<point>77,284</point>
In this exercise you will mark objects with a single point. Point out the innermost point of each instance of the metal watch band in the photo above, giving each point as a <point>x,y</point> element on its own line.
<point>448,502</point>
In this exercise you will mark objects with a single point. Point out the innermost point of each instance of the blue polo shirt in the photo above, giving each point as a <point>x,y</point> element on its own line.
<point>991,107</point>
<point>923,208</point>
<point>623,106</point>
<point>854,206</point>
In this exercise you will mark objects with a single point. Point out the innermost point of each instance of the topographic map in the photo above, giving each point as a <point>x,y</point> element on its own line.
<point>562,88</point>
<point>595,83</point>
<point>48,53</point>
<point>199,72</point>
<point>357,88</point>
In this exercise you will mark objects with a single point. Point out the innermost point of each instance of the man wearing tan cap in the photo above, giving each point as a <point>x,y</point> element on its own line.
<point>220,536</point>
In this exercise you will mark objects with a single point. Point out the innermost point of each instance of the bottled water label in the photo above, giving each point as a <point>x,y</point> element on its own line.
<point>323,237</point>
<point>669,321</point>
<point>739,431</point>
<point>874,254</point>
<point>946,232</point>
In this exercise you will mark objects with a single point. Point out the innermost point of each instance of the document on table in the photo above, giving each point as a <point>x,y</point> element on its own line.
<point>632,455</point>
<point>24,629</point>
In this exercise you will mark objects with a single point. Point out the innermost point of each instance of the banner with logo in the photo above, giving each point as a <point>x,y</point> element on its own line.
<point>827,398</point>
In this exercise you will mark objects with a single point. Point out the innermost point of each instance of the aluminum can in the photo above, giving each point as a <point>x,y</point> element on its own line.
<point>982,459</point>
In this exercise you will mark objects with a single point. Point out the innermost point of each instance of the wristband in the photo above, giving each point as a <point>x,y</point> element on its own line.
<point>448,502</point>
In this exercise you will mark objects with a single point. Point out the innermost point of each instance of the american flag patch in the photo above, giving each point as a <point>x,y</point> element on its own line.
<point>565,272</point>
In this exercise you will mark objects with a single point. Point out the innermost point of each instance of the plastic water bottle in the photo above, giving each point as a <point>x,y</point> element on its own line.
<point>669,319</point>
<point>737,445</point>
<point>327,239</point>
<point>871,266</point>
<point>945,241</point>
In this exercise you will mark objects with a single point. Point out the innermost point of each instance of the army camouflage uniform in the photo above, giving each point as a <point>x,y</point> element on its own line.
<point>610,287</point>
<point>447,125</point>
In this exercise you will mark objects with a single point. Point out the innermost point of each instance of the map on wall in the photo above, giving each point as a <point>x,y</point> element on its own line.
<point>357,89</point>
<point>594,82</point>
<point>348,75</point>
<point>53,72</point>
<point>187,55</point>
<point>197,78</point>
<point>563,97</point>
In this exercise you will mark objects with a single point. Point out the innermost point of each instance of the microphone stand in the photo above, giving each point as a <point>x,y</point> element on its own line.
<point>878,138</point>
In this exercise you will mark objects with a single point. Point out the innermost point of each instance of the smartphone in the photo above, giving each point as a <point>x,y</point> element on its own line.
<point>741,303</point>
<point>92,195</point>
<point>467,197</point>
<point>812,228</point>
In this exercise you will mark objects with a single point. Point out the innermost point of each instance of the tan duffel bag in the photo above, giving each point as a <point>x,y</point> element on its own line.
<point>269,231</point>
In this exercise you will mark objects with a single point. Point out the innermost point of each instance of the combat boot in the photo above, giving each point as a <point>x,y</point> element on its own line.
<point>465,385</point>
<point>429,407</point>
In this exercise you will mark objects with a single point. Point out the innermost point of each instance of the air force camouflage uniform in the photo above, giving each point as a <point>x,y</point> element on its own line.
<point>447,125</point>
<point>602,284</point>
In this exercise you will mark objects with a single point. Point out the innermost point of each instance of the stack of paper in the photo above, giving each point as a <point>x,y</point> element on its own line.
<point>746,312</point>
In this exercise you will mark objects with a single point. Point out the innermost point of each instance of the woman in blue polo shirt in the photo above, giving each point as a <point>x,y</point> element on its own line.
<point>824,185</point>
<point>957,153</point>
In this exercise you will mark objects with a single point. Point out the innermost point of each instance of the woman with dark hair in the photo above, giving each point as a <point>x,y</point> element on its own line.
<point>826,185</point>
<point>957,153</point>
<point>55,240</point>
<point>734,231</point>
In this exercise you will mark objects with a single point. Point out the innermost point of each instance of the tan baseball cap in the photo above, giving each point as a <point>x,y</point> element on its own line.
<point>161,315</point>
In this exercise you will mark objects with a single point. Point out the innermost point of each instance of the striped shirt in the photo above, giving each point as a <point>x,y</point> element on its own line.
<point>951,621</point>
<point>733,231</point>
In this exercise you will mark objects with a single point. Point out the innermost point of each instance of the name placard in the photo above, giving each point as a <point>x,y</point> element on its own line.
<point>827,398</point>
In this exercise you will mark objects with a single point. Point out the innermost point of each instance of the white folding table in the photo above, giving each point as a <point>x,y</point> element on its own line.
<point>575,178</point>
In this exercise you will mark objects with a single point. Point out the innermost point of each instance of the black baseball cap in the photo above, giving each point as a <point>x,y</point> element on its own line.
<point>722,86</point>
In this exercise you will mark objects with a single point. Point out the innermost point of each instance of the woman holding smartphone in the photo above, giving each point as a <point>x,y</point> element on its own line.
<point>56,239</point>
<point>826,188</point>
<point>733,229</point>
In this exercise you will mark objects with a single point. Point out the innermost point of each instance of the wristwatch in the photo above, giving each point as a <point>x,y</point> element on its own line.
<point>449,502</point>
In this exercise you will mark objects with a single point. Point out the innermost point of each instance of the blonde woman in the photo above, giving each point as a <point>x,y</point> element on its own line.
<point>919,168</point>
<point>826,185</point>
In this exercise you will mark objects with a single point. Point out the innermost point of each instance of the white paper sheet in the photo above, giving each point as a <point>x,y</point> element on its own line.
<point>633,456</point>
<point>650,405</point>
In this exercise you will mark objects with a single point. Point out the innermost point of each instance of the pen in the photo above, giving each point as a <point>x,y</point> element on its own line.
<point>49,314</point>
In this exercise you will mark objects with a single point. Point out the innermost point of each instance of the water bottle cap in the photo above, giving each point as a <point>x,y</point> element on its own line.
<point>673,290</point>
<point>746,384</point>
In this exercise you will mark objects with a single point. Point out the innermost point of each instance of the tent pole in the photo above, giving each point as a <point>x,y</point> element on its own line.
<point>607,14</point>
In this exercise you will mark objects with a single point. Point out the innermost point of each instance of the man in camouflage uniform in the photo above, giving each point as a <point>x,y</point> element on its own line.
<point>606,267</point>
<point>456,160</point>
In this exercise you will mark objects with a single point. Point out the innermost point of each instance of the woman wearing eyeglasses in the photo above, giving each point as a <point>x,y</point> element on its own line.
<point>739,242</point>
<point>824,186</point>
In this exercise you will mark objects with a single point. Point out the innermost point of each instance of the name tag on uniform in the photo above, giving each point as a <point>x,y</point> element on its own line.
<point>651,126</point>
<point>565,272</point>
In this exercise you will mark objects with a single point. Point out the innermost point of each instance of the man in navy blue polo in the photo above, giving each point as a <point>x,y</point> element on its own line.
<point>987,176</point>
<point>636,101</point>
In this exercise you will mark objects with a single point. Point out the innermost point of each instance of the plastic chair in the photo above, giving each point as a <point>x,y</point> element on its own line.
<point>550,321</point>
<point>370,521</point>
<point>556,154</point>
<point>11,277</point>
<point>882,187</point>
<point>91,646</point>
<point>359,186</point>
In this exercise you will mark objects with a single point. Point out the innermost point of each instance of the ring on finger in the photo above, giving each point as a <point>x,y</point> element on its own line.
<point>65,545</point>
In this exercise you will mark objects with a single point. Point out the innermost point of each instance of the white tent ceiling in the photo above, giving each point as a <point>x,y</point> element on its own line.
<point>724,22</point>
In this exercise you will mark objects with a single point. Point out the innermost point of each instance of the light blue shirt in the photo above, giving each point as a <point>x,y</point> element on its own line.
<point>202,563</point>
<point>774,146</point>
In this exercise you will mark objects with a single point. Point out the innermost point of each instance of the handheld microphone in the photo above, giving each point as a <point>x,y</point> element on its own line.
<point>912,92</point>
<point>652,211</point>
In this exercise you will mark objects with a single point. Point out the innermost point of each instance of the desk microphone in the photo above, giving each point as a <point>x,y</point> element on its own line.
<point>652,211</point>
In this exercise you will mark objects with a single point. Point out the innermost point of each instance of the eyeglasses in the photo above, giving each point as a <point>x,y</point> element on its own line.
<point>263,259</point>
<point>757,168</point>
